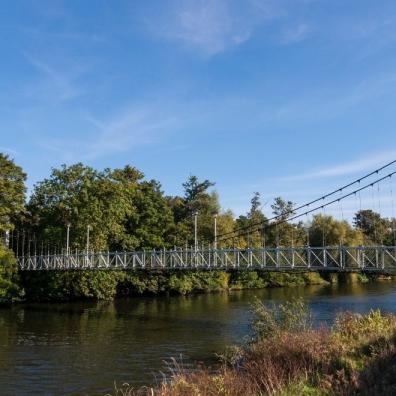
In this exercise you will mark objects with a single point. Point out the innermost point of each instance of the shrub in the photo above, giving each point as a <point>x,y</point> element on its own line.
<point>291,316</point>
<point>71,285</point>
<point>10,290</point>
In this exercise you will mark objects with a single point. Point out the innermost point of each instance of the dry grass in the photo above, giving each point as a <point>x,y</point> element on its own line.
<point>357,356</point>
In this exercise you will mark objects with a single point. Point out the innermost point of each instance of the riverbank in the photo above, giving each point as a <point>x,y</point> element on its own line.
<point>64,286</point>
<point>357,356</point>
<point>106,285</point>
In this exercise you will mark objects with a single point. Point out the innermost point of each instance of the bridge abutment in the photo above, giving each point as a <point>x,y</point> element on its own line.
<point>348,278</point>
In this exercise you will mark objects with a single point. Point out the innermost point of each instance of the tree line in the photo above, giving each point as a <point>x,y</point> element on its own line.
<point>122,210</point>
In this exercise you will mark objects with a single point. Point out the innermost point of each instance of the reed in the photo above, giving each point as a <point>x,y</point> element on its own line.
<point>287,356</point>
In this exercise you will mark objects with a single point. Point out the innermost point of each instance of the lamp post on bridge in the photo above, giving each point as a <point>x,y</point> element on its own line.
<point>67,239</point>
<point>195,231</point>
<point>215,231</point>
<point>7,238</point>
<point>88,229</point>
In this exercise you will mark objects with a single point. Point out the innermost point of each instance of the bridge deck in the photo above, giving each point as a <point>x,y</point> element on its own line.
<point>362,258</point>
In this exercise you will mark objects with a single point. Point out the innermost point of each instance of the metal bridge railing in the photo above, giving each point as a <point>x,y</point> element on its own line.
<point>361,258</point>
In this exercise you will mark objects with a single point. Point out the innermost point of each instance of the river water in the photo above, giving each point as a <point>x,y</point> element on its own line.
<point>82,348</point>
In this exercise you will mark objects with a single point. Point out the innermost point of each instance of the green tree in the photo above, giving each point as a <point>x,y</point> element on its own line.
<point>151,221</point>
<point>12,193</point>
<point>197,199</point>
<point>376,229</point>
<point>10,289</point>
<point>194,189</point>
<point>225,225</point>
<point>251,225</point>
<point>327,231</point>
<point>281,232</point>
<point>282,209</point>
<point>122,210</point>
<point>391,238</point>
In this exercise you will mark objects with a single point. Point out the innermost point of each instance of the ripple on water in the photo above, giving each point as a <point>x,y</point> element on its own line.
<point>77,348</point>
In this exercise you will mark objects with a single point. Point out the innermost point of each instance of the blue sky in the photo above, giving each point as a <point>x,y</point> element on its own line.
<point>283,97</point>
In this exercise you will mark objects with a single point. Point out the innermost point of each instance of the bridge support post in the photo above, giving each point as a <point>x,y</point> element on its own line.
<point>348,277</point>
<point>342,257</point>
<point>382,257</point>
<point>292,263</point>
<point>277,258</point>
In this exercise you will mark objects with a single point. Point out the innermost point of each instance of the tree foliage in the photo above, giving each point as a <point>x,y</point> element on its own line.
<point>122,210</point>
<point>327,231</point>
<point>10,289</point>
<point>376,229</point>
<point>12,193</point>
<point>252,224</point>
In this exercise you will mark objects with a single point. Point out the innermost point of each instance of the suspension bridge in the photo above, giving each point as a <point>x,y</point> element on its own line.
<point>371,258</point>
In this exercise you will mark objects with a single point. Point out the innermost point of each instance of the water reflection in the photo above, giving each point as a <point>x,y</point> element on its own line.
<point>56,349</point>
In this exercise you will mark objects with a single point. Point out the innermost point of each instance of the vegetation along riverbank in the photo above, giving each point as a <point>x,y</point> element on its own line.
<point>288,356</point>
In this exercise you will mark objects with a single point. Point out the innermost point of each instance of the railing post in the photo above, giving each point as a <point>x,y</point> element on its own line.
<point>277,257</point>
<point>265,257</point>
<point>293,251</point>
<point>342,258</point>
<point>382,257</point>
<point>363,259</point>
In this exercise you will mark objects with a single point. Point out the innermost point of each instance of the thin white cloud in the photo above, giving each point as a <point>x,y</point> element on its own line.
<point>294,34</point>
<point>127,130</point>
<point>55,83</point>
<point>348,168</point>
<point>213,26</point>
<point>329,102</point>
<point>207,26</point>
<point>130,129</point>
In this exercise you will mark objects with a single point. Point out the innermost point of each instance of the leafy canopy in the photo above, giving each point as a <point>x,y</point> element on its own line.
<point>12,193</point>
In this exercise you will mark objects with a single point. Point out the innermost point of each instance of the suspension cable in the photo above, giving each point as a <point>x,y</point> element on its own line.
<point>342,219</point>
<point>319,207</point>
<point>393,211</point>
<point>379,211</point>
<point>374,222</point>
<point>307,229</point>
<point>323,226</point>
<point>293,210</point>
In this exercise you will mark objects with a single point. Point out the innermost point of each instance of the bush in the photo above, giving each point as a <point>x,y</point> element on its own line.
<point>71,285</point>
<point>291,316</point>
<point>10,290</point>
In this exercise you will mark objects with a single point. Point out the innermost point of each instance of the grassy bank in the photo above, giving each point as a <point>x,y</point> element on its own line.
<point>106,285</point>
<point>102,285</point>
<point>357,356</point>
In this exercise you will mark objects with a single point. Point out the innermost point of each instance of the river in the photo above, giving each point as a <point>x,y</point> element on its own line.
<point>82,348</point>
